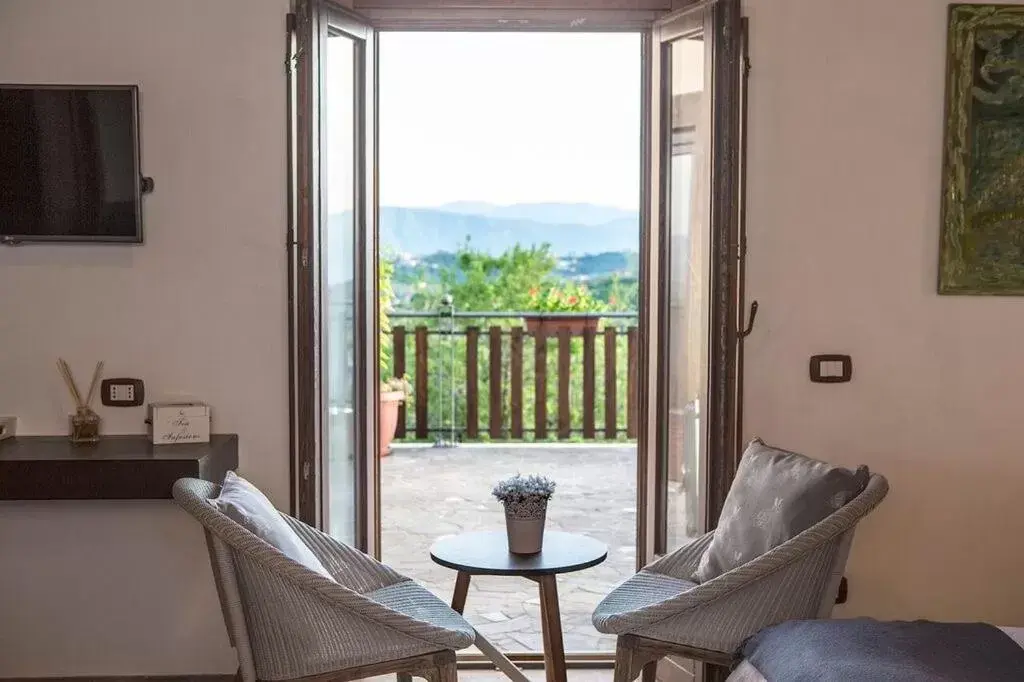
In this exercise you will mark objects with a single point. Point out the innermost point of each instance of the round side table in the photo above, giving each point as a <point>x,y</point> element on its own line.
<point>486,553</point>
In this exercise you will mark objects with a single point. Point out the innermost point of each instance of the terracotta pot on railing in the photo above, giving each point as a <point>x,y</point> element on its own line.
<point>552,324</point>
<point>389,404</point>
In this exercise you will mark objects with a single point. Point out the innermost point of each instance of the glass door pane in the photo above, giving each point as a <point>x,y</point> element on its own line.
<point>340,289</point>
<point>686,295</point>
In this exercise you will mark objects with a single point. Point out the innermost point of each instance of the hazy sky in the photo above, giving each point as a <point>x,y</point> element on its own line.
<point>509,118</point>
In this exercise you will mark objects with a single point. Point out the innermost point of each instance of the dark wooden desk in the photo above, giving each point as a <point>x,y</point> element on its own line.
<point>116,468</point>
<point>486,553</point>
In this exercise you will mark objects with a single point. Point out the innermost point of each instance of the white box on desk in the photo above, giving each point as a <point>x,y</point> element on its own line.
<point>8,427</point>
<point>176,423</point>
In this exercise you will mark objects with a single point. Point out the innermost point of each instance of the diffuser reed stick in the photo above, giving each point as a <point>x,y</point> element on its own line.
<point>95,380</point>
<point>69,379</point>
<point>85,423</point>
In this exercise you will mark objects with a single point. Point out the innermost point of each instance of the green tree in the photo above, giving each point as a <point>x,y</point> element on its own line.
<point>621,294</point>
<point>386,298</point>
<point>480,282</point>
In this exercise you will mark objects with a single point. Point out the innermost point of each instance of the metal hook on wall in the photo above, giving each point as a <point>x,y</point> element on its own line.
<point>744,333</point>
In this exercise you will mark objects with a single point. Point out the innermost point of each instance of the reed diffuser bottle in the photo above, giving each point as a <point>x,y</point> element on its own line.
<point>84,424</point>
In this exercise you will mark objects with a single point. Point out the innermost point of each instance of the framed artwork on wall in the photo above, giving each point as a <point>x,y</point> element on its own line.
<point>982,244</point>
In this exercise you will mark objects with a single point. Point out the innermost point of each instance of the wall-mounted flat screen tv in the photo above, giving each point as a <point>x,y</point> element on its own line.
<point>69,164</point>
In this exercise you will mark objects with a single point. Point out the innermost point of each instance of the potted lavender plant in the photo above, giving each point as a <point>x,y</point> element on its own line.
<point>526,504</point>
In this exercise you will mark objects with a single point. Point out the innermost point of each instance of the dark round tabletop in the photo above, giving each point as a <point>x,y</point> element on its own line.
<point>486,553</point>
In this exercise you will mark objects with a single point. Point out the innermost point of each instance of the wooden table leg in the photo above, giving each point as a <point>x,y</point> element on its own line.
<point>461,591</point>
<point>499,659</point>
<point>551,625</point>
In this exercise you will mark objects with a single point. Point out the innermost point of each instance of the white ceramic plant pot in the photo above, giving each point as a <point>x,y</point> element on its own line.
<point>525,532</point>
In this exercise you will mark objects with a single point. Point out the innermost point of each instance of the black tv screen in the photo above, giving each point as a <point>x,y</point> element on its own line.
<point>69,164</point>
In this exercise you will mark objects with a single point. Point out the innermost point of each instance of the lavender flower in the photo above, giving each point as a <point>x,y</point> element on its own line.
<point>520,490</point>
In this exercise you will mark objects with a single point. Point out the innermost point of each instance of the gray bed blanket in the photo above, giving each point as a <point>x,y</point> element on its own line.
<point>867,650</point>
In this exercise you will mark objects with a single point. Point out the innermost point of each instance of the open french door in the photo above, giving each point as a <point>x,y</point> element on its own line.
<point>696,67</point>
<point>333,266</point>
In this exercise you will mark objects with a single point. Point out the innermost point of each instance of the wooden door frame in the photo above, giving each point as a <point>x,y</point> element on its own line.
<point>515,15</point>
<point>308,27</point>
<point>303,264</point>
<point>726,204</point>
<point>727,158</point>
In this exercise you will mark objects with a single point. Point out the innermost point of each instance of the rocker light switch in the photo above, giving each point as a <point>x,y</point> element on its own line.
<point>831,369</point>
<point>122,392</point>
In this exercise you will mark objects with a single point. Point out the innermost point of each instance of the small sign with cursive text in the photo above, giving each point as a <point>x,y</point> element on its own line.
<point>177,423</point>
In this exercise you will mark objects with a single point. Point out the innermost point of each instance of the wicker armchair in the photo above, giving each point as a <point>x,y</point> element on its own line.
<point>661,610</point>
<point>288,622</point>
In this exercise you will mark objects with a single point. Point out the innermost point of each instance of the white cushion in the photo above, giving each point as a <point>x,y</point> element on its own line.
<point>243,503</point>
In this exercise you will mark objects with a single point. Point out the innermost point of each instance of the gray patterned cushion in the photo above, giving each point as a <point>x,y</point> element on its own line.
<point>775,496</point>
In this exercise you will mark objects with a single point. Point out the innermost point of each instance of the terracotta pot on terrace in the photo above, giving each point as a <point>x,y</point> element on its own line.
<point>389,404</point>
<point>552,325</point>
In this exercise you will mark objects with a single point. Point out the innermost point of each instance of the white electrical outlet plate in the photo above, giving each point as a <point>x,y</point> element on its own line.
<point>122,392</point>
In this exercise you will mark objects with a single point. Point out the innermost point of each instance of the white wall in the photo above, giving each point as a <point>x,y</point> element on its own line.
<point>846,111</point>
<point>200,309</point>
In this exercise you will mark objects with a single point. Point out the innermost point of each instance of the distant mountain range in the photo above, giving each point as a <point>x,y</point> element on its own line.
<point>583,267</point>
<point>570,229</point>
<point>553,214</point>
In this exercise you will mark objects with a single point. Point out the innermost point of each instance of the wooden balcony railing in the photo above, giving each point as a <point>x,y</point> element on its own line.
<point>472,381</point>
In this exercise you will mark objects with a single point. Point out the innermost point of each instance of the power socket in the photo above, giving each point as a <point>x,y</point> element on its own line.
<point>122,392</point>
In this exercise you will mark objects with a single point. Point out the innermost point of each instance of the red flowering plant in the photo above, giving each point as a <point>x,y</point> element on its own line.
<point>567,298</point>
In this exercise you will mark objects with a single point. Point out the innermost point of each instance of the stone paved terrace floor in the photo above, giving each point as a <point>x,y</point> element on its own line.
<point>428,493</point>
<point>534,675</point>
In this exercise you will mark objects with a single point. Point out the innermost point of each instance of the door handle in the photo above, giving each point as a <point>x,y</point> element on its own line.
<point>744,333</point>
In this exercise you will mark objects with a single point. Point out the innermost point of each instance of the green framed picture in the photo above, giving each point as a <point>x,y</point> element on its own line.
<point>982,245</point>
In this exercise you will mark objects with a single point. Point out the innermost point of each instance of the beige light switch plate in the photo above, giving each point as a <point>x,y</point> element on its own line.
<point>8,427</point>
